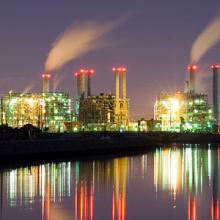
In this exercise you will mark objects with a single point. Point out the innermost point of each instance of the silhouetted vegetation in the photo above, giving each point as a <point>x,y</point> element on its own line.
<point>28,131</point>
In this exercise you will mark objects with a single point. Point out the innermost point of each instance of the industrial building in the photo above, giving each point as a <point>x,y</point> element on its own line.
<point>105,111</point>
<point>183,112</point>
<point>97,112</point>
<point>46,110</point>
<point>53,112</point>
<point>187,111</point>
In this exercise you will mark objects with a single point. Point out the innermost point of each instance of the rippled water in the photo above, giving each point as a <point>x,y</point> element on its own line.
<point>169,183</point>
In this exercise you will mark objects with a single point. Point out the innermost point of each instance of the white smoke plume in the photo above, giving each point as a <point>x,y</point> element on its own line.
<point>206,40</point>
<point>201,84</point>
<point>56,82</point>
<point>78,40</point>
<point>28,88</point>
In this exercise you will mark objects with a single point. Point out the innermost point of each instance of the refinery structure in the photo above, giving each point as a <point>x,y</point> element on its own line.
<point>106,111</point>
<point>182,111</point>
<point>54,112</point>
<point>189,111</point>
<point>46,110</point>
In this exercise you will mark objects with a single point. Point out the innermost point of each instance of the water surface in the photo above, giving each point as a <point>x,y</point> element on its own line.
<point>168,183</point>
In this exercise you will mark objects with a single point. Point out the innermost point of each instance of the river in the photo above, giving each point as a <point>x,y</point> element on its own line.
<point>173,182</point>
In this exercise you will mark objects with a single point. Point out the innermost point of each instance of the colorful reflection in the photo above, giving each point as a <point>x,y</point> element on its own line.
<point>72,190</point>
<point>188,170</point>
<point>51,185</point>
<point>83,191</point>
<point>25,185</point>
<point>119,189</point>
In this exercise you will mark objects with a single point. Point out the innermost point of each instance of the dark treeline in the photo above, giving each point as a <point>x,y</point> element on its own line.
<point>28,131</point>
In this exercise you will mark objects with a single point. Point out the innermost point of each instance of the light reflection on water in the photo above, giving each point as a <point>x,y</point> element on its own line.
<point>169,183</point>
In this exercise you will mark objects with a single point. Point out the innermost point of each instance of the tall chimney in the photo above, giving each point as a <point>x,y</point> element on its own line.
<point>89,73</point>
<point>46,79</point>
<point>116,72</point>
<point>77,85</point>
<point>215,69</point>
<point>192,70</point>
<point>124,90</point>
<point>81,84</point>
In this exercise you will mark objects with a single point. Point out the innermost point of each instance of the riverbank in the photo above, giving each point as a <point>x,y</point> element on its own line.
<point>91,144</point>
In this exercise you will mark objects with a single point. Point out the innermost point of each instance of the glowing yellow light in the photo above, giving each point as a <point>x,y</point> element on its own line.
<point>174,104</point>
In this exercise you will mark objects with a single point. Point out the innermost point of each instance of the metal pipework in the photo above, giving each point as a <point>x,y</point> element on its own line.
<point>46,79</point>
<point>215,69</point>
<point>192,70</point>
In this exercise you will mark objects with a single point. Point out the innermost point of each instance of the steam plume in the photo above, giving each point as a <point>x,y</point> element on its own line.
<point>79,39</point>
<point>28,88</point>
<point>206,40</point>
<point>57,80</point>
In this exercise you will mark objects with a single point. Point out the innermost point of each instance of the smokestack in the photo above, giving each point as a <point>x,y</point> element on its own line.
<point>89,74</point>
<point>124,90</point>
<point>116,72</point>
<point>81,84</point>
<point>192,70</point>
<point>120,77</point>
<point>215,69</point>
<point>46,79</point>
<point>77,86</point>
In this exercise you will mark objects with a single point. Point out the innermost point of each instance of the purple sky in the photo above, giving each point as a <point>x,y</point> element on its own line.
<point>154,44</point>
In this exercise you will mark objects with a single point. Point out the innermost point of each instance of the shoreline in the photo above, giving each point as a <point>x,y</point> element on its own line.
<point>79,145</point>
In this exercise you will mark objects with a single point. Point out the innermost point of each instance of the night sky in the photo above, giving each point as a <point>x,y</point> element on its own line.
<point>154,44</point>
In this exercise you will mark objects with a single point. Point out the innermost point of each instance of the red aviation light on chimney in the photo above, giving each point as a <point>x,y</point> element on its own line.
<point>192,68</point>
<point>46,75</point>
<point>215,66</point>
<point>76,74</point>
<point>89,71</point>
<point>119,69</point>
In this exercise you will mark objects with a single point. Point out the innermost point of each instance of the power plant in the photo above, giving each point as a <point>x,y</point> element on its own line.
<point>104,111</point>
<point>53,111</point>
<point>182,111</point>
<point>189,111</point>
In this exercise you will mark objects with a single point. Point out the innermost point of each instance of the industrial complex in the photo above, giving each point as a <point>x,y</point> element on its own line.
<point>188,111</point>
<point>103,111</point>
<point>182,111</point>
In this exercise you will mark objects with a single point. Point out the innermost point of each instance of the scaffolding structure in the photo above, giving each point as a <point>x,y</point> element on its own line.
<point>98,113</point>
<point>199,114</point>
<point>183,112</point>
<point>47,111</point>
